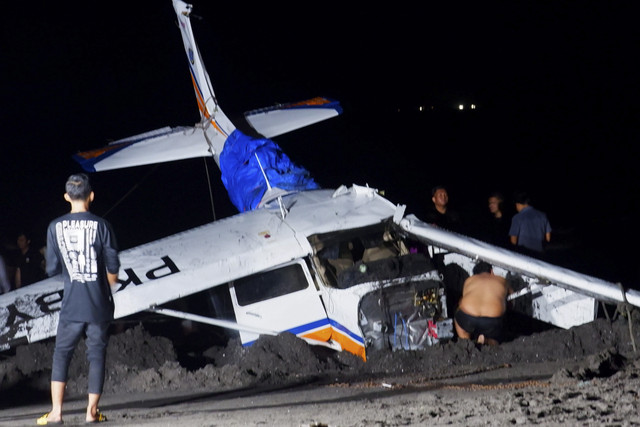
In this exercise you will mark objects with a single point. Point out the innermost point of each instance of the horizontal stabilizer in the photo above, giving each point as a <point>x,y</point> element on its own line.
<point>158,146</point>
<point>283,118</point>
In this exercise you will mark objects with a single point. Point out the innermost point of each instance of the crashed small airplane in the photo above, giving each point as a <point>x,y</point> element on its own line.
<point>344,268</point>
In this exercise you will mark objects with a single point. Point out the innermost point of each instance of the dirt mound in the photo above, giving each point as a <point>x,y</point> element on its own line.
<point>139,362</point>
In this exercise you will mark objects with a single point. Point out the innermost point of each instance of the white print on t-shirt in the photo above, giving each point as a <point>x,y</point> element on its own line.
<point>75,240</point>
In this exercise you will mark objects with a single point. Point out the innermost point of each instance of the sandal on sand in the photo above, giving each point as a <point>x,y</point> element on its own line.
<point>100,418</point>
<point>44,421</point>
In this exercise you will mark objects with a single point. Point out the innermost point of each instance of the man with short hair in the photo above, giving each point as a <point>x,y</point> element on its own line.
<point>480,313</point>
<point>440,213</point>
<point>530,229</point>
<point>82,247</point>
<point>498,224</point>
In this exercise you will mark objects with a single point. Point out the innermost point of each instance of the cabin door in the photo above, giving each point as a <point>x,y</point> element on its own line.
<point>283,299</point>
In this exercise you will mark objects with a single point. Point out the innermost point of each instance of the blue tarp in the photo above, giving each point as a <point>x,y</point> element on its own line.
<point>243,178</point>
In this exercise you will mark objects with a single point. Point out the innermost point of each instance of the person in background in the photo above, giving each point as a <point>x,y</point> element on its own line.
<point>5,284</point>
<point>30,262</point>
<point>9,252</point>
<point>498,224</point>
<point>82,247</point>
<point>481,310</point>
<point>440,213</point>
<point>530,229</point>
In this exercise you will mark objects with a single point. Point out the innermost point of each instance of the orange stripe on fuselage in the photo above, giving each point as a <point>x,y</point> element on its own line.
<point>348,344</point>
<point>203,108</point>
<point>345,342</point>
<point>199,98</point>
<point>319,335</point>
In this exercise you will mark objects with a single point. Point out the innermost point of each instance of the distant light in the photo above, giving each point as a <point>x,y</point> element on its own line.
<point>473,106</point>
<point>460,107</point>
<point>421,108</point>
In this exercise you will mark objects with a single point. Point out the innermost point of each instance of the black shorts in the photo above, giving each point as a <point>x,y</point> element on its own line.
<point>67,338</point>
<point>490,327</point>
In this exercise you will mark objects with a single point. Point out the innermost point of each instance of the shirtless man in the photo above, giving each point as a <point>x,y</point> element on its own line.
<point>481,309</point>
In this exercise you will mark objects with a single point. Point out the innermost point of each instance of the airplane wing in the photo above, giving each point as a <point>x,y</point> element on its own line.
<point>283,118</point>
<point>562,297</point>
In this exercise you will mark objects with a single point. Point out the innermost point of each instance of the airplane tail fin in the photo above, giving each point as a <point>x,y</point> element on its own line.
<point>217,127</point>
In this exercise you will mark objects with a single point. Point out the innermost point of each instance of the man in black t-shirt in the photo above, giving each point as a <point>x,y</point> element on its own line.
<point>82,247</point>
<point>440,213</point>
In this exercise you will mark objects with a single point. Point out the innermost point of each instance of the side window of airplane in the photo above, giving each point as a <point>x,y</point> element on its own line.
<point>270,284</point>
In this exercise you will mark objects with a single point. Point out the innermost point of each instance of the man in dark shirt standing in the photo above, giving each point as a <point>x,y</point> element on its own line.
<point>30,262</point>
<point>82,247</point>
<point>498,223</point>
<point>440,213</point>
<point>530,230</point>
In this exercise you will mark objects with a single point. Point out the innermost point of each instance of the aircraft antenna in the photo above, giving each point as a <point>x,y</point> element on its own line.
<point>283,210</point>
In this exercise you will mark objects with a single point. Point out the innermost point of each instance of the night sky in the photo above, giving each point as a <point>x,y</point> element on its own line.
<point>554,84</point>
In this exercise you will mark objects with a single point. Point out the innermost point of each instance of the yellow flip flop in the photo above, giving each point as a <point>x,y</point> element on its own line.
<point>44,421</point>
<point>100,418</point>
